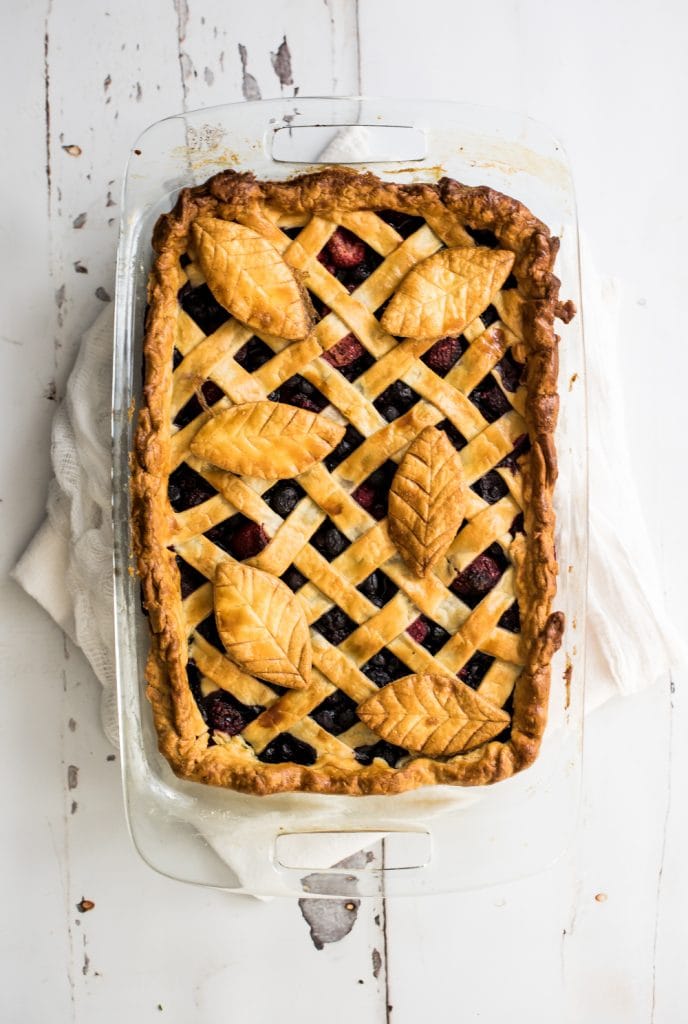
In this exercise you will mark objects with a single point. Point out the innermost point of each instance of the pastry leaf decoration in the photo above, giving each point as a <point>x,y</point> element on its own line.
<point>269,440</point>
<point>446,291</point>
<point>433,715</point>
<point>262,625</point>
<point>426,500</point>
<point>248,276</point>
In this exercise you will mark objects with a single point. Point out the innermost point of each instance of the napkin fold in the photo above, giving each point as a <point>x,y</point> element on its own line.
<point>67,567</point>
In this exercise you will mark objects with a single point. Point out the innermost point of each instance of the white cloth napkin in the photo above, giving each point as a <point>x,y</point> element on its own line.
<point>67,567</point>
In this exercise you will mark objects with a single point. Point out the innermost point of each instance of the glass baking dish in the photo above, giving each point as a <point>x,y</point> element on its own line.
<point>438,839</point>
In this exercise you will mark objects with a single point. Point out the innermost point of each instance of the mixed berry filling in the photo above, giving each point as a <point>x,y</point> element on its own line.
<point>490,399</point>
<point>478,578</point>
<point>336,713</point>
<point>225,713</point>
<point>293,578</point>
<point>384,667</point>
<point>202,306</point>
<point>286,747</point>
<point>329,541</point>
<point>443,354</point>
<point>428,634</point>
<point>373,492</point>
<point>210,394</point>
<point>489,317</point>
<point>395,400</point>
<point>349,259</point>
<point>387,751</point>
<point>403,223</point>
<point>186,488</point>
<point>239,536</point>
<point>475,669</point>
<point>300,392</point>
<point>454,435</point>
<point>490,487</point>
<point>284,497</point>
<point>521,446</point>
<point>335,626</point>
<point>349,357</point>
<point>253,355</point>
<point>208,630</point>
<point>191,579</point>
<point>348,444</point>
<point>510,371</point>
<point>511,619</point>
<point>378,588</point>
<point>482,236</point>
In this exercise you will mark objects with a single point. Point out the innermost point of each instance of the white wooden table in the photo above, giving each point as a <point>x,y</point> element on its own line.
<point>601,937</point>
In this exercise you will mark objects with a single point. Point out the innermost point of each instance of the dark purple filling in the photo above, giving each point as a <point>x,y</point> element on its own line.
<point>329,541</point>
<point>517,525</point>
<point>176,358</point>
<point>490,399</point>
<point>395,400</point>
<point>510,283</point>
<point>194,679</point>
<point>428,634</point>
<point>293,578</point>
<point>521,446</point>
<point>336,713</point>
<point>489,317</point>
<point>387,751</point>
<point>208,630</point>
<point>444,354</point>
<point>191,579</point>
<point>455,436</point>
<point>478,578</point>
<point>186,488</point>
<point>372,494</point>
<point>384,667</point>
<point>202,306</point>
<point>300,392</point>
<point>378,588</point>
<point>403,223</point>
<point>193,408</point>
<point>253,355</point>
<point>227,714</point>
<point>475,669</point>
<point>348,444</point>
<point>482,236</point>
<point>490,487</point>
<point>239,536</point>
<point>284,497</point>
<point>349,357</point>
<point>511,619</point>
<point>286,747</point>
<point>335,626</point>
<point>510,371</point>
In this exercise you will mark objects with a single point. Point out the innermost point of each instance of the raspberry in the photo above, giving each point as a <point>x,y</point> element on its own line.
<point>477,579</point>
<point>323,257</point>
<point>443,354</point>
<point>228,715</point>
<point>249,540</point>
<point>365,495</point>
<point>344,352</point>
<point>417,630</point>
<point>345,250</point>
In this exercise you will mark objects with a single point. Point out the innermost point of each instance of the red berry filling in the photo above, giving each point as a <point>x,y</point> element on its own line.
<point>443,354</point>
<point>249,540</point>
<point>345,250</point>
<point>477,579</point>
<point>418,630</point>
<point>344,352</point>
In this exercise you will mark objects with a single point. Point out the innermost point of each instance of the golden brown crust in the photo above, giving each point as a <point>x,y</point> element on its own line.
<point>530,313</point>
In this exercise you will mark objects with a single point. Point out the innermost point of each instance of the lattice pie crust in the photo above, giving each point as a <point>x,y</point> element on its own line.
<point>342,483</point>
